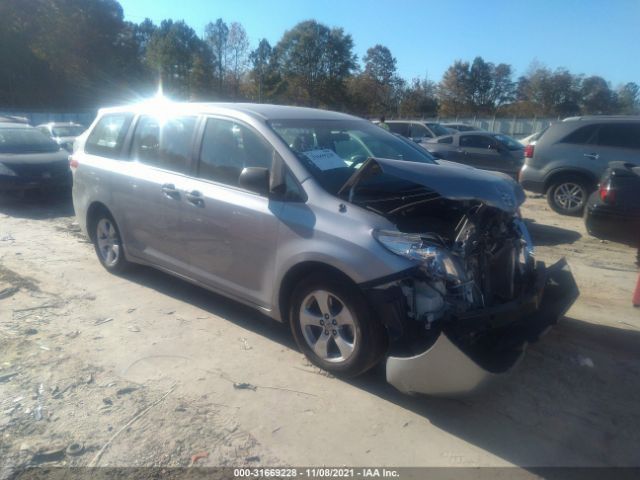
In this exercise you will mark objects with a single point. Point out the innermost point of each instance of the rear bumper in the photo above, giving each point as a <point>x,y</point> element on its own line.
<point>531,179</point>
<point>605,222</point>
<point>451,366</point>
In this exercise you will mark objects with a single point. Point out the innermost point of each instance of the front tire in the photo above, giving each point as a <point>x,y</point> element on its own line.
<point>108,244</point>
<point>568,196</point>
<point>333,326</point>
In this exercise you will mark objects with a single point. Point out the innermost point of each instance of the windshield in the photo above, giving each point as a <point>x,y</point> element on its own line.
<point>437,129</point>
<point>510,143</point>
<point>333,150</point>
<point>25,140</point>
<point>67,131</point>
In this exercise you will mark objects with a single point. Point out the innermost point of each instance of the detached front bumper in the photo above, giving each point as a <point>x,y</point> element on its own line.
<point>452,366</point>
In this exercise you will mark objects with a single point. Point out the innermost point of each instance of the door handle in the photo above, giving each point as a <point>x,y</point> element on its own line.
<point>195,198</point>
<point>170,191</point>
<point>592,156</point>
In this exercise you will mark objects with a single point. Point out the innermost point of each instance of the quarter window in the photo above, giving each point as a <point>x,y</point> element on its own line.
<point>399,128</point>
<point>623,135</point>
<point>582,135</point>
<point>164,143</point>
<point>108,135</point>
<point>227,148</point>
<point>419,131</point>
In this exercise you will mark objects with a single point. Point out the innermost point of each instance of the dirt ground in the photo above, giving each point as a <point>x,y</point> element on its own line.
<point>148,370</point>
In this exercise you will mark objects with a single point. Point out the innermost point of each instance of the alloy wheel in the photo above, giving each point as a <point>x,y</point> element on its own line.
<point>328,326</point>
<point>108,242</point>
<point>569,196</point>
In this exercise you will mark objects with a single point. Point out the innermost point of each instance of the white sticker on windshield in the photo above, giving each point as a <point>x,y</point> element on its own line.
<point>325,159</point>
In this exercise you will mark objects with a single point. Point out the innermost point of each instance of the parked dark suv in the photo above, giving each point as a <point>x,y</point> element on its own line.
<point>570,156</point>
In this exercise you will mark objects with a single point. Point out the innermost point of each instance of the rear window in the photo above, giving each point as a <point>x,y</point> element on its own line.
<point>622,135</point>
<point>107,137</point>
<point>25,140</point>
<point>437,129</point>
<point>582,135</point>
<point>399,128</point>
<point>509,142</point>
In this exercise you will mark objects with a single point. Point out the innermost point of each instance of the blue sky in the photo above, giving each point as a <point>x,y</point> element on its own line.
<point>593,37</point>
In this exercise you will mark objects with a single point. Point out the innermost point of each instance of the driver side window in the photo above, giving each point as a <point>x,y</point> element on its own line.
<point>228,147</point>
<point>477,141</point>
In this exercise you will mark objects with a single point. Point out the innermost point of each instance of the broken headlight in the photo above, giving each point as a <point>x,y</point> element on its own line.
<point>436,260</point>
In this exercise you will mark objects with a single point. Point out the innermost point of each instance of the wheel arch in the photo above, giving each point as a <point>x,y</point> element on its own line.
<point>558,174</point>
<point>297,273</point>
<point>92,214</point>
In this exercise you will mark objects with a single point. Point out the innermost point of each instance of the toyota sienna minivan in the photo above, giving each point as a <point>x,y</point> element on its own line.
<point>370,249</point>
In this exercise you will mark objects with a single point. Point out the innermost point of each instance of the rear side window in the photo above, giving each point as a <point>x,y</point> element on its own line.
<point>164,143</point>
<point>476,141</point>
<point>399,128</point>
<point>582,135</point>
<point>228,147</point>
<point>445,140</point>
<point>107,137</point>
<point>623,135</point>
<point>419,131</point>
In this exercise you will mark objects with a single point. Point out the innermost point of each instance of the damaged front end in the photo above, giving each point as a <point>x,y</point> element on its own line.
<point>476,297</point>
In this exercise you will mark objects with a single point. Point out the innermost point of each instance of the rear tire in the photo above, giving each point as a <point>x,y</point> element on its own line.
<point>568,195</point>
<point>333,326</point>
<point>108,243</point>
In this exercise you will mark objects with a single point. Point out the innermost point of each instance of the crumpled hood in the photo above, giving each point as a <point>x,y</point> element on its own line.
<point>450,180</point>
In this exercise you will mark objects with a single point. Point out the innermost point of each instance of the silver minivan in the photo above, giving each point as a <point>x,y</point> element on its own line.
<point>367,246</point>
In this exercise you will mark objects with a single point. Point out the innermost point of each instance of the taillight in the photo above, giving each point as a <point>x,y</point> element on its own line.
<point>73,163</point>
<point>528,151</point>
<point>607,194</point>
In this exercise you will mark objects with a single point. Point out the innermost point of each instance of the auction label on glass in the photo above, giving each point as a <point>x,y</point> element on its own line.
<point>325,159</point>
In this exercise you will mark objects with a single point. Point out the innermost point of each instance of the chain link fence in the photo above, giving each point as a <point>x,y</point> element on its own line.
<point>37,118</point>
<point>512,126</point>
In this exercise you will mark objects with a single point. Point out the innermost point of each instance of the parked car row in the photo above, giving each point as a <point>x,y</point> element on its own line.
<point>565,161</point>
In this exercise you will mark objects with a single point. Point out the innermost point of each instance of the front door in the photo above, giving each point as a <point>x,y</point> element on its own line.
<point>480,151</point>
<point>231,232</point>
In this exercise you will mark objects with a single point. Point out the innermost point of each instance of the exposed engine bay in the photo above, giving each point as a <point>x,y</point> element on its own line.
<point>476,295</point>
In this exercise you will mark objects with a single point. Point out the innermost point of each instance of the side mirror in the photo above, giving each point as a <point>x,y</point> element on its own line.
<point>255,179</point>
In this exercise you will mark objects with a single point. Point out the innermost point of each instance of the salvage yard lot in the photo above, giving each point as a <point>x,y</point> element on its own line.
<point>83,353</point>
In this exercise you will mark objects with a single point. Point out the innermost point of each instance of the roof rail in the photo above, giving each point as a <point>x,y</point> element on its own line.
<point>601,117</point>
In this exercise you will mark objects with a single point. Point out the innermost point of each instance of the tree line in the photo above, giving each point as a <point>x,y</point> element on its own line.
<point>82,54</point>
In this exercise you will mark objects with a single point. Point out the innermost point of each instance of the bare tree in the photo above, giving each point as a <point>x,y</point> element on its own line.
<point>236,56</point>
